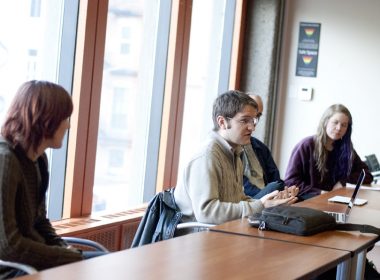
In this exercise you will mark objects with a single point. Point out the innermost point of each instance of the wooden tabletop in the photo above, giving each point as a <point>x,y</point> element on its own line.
<point>342,240</point>
<point>351,241</point>
<point>320,201</point>
<point>368,213</point>
<point>204,255</point>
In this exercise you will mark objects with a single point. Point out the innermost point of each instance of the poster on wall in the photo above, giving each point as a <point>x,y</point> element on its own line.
<point>308,45</point>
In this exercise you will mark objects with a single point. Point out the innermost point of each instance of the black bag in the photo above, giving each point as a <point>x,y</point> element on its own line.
<point>302,221</point>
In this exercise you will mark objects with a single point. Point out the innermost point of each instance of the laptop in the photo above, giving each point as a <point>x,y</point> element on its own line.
<point>343,217</point>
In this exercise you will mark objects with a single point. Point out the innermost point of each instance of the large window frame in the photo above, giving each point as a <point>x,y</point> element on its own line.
<point>44,49</point>
<point>65,78</point>
<point>86,97</point>
<point>167,123</point>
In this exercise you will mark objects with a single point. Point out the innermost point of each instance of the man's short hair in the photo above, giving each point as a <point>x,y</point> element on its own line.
<point>229,104</point>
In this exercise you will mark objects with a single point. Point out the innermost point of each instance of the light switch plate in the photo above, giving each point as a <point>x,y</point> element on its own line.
<point>305,93</point>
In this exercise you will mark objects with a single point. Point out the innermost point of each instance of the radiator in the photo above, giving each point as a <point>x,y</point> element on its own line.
<point>114,231</point>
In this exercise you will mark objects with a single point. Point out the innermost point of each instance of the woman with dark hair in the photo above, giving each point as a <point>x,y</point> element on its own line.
<point>326,160</point>
<point>37,119</point>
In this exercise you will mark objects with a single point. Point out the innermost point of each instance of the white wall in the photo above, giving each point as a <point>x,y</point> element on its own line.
<point>348,73</point>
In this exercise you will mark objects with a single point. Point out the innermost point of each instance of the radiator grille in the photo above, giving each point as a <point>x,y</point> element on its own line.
<point>128,232</point>
<point>113,231</point>
<point>109,237</point>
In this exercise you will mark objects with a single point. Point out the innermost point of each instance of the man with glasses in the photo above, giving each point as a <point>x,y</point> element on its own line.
<point>210,189</point>
<point>261,175</point>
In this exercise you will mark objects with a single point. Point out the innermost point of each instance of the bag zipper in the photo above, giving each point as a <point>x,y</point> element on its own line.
<point>285,220</point>
<point>262,226</point>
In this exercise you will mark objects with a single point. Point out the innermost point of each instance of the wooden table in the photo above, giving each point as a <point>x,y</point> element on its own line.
<point>320,202</point>
<point>354,242</point>
<point>366,214</point>
<point>205,255</point>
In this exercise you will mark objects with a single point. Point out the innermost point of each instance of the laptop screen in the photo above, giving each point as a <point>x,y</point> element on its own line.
<point>358,184</point>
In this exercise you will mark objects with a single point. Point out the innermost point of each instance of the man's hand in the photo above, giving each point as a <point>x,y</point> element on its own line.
<point>287,196</point>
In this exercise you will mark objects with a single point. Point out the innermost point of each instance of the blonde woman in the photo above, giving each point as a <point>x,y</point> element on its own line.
<point>326,160</point>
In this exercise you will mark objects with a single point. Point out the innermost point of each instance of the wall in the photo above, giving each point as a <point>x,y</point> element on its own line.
<point>348,73</point>
<point>260,59</point>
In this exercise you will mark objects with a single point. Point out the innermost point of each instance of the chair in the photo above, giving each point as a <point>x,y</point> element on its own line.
<point>23,267</point>
<point>74,241</point>
<point>194,225</point>
<point>191,227</point>
<point>374,166</point>
<point>162,220</point>
<point>85,243</point>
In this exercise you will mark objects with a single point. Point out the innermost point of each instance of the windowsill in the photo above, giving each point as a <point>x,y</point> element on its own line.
<point>84,224</point>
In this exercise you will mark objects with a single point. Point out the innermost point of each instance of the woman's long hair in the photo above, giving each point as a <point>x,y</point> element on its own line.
<point>35,114</point>
<point>343,149</point>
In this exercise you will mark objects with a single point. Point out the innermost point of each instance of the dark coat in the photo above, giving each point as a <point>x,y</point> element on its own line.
<point>26,234</point>
<point>270,170</point>
<point>160,220</point>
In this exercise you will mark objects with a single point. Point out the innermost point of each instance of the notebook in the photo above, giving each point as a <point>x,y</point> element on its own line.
<point>343,217</point>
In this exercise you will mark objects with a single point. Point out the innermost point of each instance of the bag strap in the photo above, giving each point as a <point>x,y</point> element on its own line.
<point>358,227</point>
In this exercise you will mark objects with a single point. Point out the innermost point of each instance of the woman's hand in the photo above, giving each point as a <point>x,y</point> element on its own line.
<point>338,185</point>
<point>288,192</point>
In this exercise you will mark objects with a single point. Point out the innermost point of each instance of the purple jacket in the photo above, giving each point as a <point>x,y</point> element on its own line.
<point>302,170</point>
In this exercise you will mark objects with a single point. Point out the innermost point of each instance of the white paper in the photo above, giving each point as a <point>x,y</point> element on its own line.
<point>346,200</point>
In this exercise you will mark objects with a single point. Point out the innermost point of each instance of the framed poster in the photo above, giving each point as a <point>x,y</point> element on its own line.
<point>308,47</point>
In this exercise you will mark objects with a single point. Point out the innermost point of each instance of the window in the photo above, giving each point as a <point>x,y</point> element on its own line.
<point>125,40</point>
<point>119,116</point>
<point>35,8</point>
<point>116,159</point>
<point>131,103</point>
<point>126,32</point>
<point>36,53</point>
<point>125,48</point>
<point>210,42</point>
<point>119,170</point>
<point>32,62</point>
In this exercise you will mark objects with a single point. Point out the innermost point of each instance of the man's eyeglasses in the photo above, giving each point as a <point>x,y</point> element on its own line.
<point>247,121</point>
<point>258,116</point>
